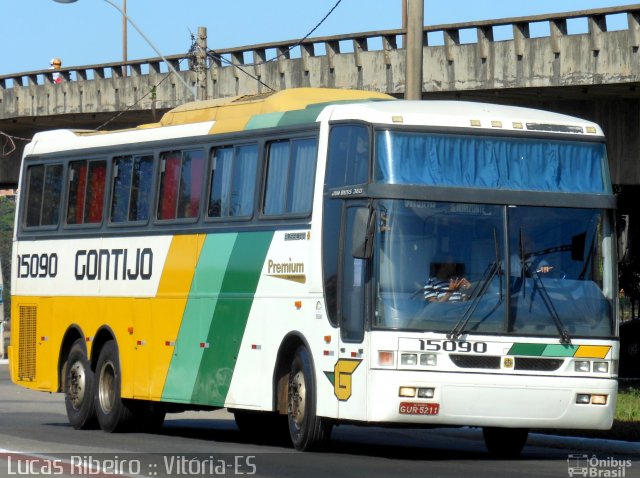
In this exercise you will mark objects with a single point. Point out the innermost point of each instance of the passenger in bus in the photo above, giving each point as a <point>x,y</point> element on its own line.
<point>446,283</point>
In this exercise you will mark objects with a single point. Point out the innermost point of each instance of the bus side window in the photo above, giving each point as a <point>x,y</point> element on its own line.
<point>132,181</point>
<point>180,184</point>
<point>290,177</point>
<point>233,181</point>
<point>43,195</point>
<point>86,192</point>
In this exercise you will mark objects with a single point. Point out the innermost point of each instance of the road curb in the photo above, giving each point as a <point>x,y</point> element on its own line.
<point>4,361</point>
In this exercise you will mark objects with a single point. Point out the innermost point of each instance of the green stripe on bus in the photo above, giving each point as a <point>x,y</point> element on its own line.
<point>196,321</point>
<point>532,350</point>
<point>230,318</point>
<point>266,120</point>
<point>307,115</point>
<point>557,350</point>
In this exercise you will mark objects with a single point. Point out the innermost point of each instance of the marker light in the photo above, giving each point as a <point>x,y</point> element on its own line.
<point>409,359</point>
<point>386,358</point>
<point>407,392</point>
<point>582,366</point>
<point>599,399</point>
<point>428,359</point>
<point>583,398</point>
<point>601,367</point>
<point>426,392</point>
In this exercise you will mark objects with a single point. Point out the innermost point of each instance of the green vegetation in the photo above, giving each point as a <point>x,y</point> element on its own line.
<point>7,213</point>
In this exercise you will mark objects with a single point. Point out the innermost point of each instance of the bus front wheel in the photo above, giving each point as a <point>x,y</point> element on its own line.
<point>114,413</point>
<point>307,430</point>
<point>79,388</point>
<point>505,442</point>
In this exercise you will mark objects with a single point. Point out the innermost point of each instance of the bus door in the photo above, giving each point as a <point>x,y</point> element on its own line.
<point>351,366</point>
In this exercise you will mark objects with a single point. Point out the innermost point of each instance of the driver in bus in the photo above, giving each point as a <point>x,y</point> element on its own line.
<point>446,285</point>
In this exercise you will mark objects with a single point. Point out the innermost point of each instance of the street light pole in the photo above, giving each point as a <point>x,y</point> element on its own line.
<point>149,42</point>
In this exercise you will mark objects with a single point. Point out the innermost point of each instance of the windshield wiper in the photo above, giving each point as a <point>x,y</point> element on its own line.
<point>565,338</point>
<point>479,290</point>
<point>527,270</point>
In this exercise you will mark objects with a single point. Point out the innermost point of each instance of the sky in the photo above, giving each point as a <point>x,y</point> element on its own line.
<point>90,31</point>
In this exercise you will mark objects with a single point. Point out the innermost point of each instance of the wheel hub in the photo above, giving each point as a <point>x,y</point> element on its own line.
<point>297,396</point>
<point>106,387</point>
<point>77,381</point>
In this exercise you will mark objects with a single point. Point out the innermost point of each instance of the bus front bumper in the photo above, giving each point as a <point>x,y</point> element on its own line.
<point>513,401</point>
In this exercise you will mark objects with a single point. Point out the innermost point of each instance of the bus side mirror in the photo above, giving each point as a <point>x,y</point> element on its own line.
<point>622,233</point>
<point>363,230</point>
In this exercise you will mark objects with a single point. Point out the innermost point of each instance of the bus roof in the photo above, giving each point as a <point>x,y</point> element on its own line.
<point>308,105</point>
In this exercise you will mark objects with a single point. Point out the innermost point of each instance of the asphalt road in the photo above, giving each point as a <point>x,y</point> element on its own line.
<point>35,438</point>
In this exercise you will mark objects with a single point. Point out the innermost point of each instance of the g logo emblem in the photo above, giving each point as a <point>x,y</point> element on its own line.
<point>341,377</point>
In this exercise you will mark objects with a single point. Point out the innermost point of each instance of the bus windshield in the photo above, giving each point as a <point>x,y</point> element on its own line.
<point>489,162</point>
<point>496,269</point>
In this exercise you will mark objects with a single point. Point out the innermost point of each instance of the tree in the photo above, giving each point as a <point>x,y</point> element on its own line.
<point>7,214</point>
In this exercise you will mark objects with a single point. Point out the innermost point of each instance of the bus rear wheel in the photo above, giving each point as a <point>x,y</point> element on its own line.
<point>505,442</point>
<point>307,430</point>
<point>114,413</point>
<point>79,388</point>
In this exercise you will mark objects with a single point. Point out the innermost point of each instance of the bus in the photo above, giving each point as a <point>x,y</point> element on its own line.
<point>274,255</point>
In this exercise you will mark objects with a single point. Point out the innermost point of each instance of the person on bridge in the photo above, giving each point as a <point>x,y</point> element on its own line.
<point>56,63</point>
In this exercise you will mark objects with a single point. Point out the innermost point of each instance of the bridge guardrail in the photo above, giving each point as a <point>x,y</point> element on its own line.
<point>356,43</point>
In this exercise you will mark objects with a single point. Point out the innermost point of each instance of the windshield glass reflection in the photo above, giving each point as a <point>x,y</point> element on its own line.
<point>445,267</point>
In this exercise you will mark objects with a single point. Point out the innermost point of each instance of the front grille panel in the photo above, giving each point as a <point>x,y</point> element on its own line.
<point>476,361</point>
<point>537,364</point>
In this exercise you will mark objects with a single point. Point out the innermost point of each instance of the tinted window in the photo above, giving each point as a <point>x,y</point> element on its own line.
<point>233,181</point>
<point>44,185</point>
<point>132,181</point>
<point>348,161</point>
<point>180,184</point>
<point>86,192</point>
<point>290,175</point>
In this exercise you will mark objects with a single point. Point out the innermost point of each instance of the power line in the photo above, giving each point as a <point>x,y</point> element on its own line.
<point>215,55</point>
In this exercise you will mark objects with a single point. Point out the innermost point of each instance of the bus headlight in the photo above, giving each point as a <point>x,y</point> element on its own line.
<point>583,398</point>
<point>582,366</point>
<point>407,392</point>
<point>409,359</point>
<point>426,392</point>
<point>601,367</point>
<point>428,359</point>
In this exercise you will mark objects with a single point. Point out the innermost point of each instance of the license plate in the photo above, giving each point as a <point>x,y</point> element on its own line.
<point>409,408</point>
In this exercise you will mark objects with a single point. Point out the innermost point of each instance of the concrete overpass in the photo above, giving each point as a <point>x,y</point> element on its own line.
<point>566,62</point>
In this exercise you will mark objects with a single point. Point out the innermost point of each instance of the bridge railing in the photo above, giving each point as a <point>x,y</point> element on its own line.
<point>557,25</point>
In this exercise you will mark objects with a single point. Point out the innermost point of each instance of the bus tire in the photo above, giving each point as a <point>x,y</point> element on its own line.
<point>148,416</point>
<point>114,413</point>
<point>270,427</point>
<point>306,429</point>
<point>79,388</point>
<point>505,442</point>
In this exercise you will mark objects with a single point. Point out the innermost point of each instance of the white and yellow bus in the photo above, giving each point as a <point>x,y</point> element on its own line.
<point>276,256</point>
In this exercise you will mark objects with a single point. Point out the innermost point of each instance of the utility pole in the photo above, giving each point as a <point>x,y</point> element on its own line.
<point>201,64</point>
<point>415,43</point>
<point>124,31</point>
<point>124,38</point>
